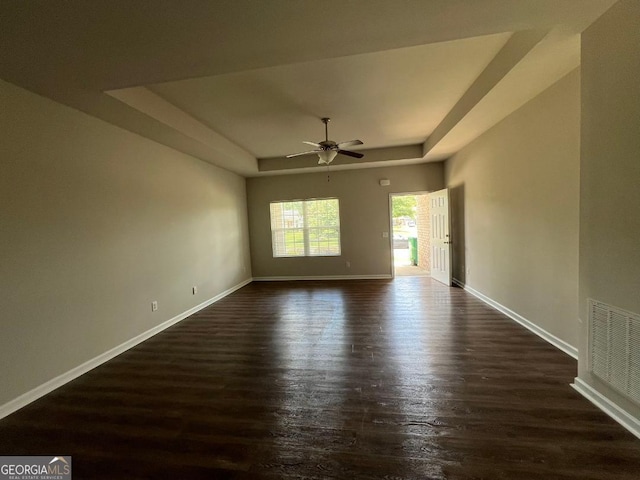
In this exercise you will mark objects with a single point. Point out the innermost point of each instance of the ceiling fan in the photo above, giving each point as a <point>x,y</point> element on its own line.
<point>328,149</point>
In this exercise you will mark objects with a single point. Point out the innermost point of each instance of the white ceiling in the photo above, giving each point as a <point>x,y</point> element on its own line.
<point>240,83</point>
<point>388,98</point>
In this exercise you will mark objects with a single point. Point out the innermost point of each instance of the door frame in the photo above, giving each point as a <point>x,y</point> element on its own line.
<point>391,195</point>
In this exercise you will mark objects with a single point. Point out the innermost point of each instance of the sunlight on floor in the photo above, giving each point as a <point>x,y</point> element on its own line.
<point>403,266</point>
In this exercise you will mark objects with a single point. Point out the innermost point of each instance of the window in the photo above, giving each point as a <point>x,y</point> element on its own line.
<point>305,228</point>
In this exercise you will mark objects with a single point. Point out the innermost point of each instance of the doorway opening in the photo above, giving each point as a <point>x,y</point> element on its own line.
<point>411,228</point>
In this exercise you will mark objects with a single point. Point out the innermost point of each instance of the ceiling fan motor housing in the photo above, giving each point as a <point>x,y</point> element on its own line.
<point>328,145</point>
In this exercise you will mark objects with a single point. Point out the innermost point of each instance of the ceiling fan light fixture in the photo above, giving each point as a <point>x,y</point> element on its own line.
<point>327,156</point>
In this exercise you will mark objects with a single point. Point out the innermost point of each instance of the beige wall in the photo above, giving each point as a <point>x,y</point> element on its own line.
<point>610,170</point>
<point>514,197</point>
<point>364,215</point>
<point>96,223</point>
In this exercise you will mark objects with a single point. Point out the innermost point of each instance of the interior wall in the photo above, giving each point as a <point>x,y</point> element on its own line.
<point>364,216</point>
<point>97,223</point>
<point>610,171</point>
<point>514,196</point>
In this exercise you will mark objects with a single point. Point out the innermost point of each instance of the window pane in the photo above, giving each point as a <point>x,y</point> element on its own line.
<point>322,213</point>
<point>276,216</point>
<point>286,215</point>
<point>288,242</point>
<point>324,241</point>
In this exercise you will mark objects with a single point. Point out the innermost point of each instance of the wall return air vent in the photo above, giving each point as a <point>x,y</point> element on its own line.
<point>614,348</point>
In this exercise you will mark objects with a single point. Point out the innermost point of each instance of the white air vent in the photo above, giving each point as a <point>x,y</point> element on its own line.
<point>614,346</point>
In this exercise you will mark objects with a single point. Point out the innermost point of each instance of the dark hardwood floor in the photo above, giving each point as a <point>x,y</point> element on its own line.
<point>358,379</point>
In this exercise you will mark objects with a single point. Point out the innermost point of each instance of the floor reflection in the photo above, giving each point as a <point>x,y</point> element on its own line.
<point>355,379</point>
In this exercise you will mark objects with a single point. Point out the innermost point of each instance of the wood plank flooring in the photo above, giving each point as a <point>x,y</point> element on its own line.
<point>318,380</point>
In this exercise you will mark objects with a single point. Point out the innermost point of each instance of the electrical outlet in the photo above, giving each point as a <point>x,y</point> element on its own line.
<point>154,306</point>
<point>194,290</point>
<point>348,264</point>
<point>385,234</point>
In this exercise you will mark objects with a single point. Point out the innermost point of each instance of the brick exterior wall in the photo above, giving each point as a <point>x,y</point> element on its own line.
<point>424,232</point>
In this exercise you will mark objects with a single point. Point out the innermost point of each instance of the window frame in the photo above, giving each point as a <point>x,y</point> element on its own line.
<point>306,243</point>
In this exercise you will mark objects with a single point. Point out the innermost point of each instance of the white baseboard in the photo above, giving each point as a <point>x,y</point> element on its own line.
<point>616,412</point>
<point>47,387</point>
<point>541,332</point>
<point>322,277</point>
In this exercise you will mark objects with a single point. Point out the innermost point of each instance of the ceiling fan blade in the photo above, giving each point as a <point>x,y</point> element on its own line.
<point>313,144</point>
<point>350,143</point>
<point>303,153</point>
<point>351,154</point>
